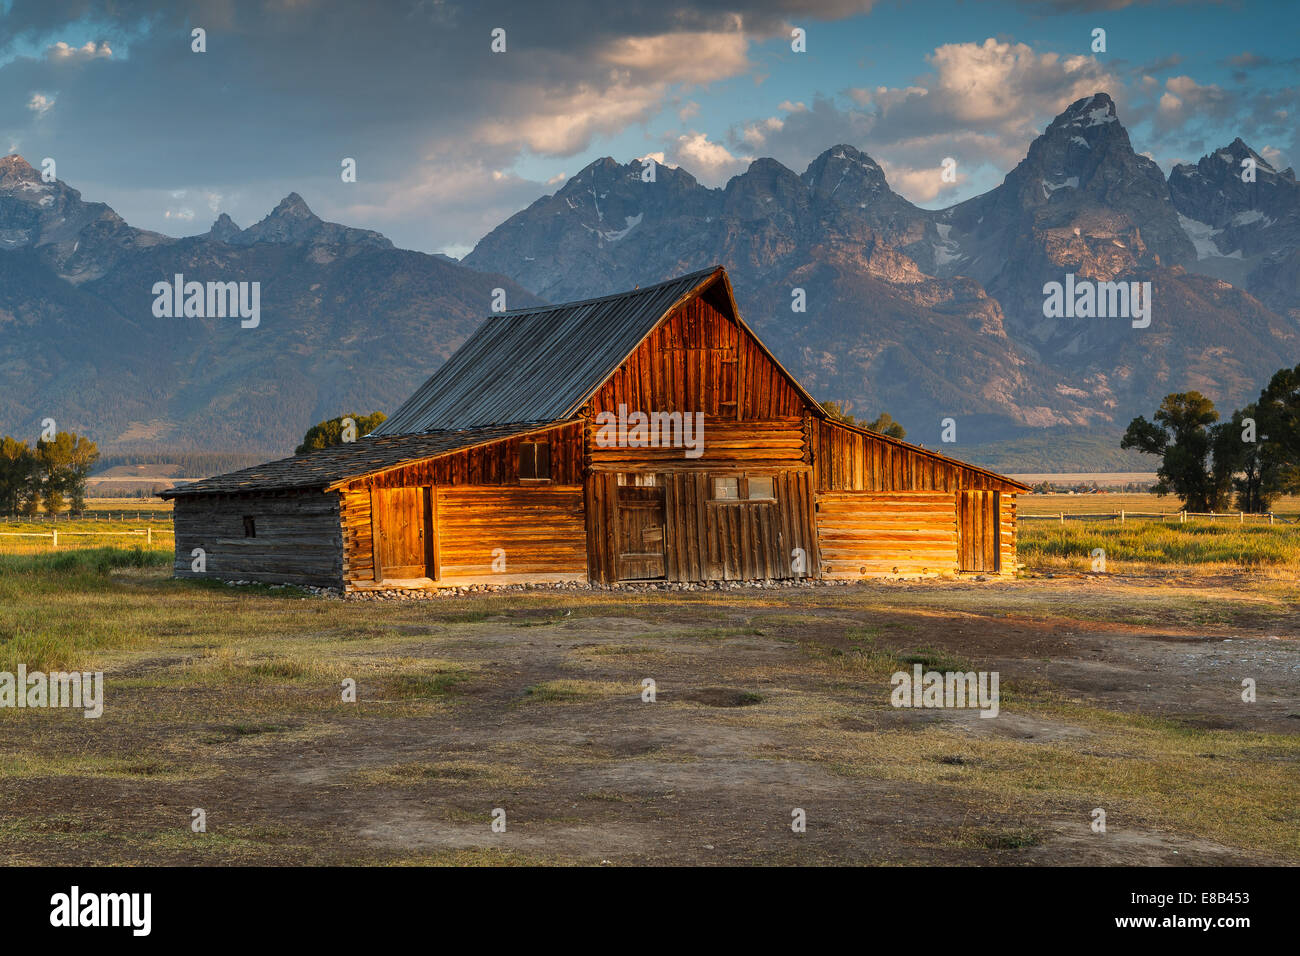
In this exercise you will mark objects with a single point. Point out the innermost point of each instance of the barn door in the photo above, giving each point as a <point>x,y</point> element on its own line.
<point>402,528</point>
<point>640,530</point>
<point>978,531</point>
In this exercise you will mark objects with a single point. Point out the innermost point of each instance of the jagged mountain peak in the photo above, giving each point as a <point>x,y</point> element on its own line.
<point>846,175</point>
<point>1224,165</point>
<point>292,206</point>
<point>292,221</point>
<point>14,169</point>
<point>1087,112</point>
<point>224,228</point>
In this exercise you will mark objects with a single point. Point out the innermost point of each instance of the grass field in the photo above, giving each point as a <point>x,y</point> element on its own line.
<point>1120,692</point>
<point>1287,507</point>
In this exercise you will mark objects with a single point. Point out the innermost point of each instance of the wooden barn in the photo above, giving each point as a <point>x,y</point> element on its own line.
<point>647,436</point>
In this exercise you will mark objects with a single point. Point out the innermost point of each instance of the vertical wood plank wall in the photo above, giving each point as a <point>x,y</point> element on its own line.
<point>705,540</point>
<point>698,360</point>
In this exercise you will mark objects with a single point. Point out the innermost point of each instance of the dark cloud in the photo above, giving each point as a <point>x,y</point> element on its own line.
<point>409,89</point>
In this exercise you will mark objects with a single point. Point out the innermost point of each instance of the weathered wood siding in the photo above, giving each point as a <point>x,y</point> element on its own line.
<point>847,460</point>
<point>707,540</point>
<point>538,533</point>
<point>358,537</point>
<point>1007,537</point>
<point>297,539</point>
<point>494,464</point>
<point>699,360</point>
<point>774,443</point>
<point>539,530</point>
<point>480,499</point>
<point>890,532</point>
<point>979,531</point>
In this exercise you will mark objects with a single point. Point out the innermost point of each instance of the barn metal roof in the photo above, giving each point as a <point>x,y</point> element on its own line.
<point>320,469</point>
<point>540,364</point>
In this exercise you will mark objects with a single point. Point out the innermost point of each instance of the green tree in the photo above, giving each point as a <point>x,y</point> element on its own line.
<point>17,476</point>
<point>1278,423</point>
<point>883,424</point>
<point>62,467</point>
<point>1246,463</point>
<point>327,433</point>
<point>1181,435</point>
<point>838,413</point>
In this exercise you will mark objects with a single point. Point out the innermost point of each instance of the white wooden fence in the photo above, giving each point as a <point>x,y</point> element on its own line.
<point>54,534</point>
<point>1123,516</point>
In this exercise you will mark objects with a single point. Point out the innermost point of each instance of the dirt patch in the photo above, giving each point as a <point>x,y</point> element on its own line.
<point>1117,694</point>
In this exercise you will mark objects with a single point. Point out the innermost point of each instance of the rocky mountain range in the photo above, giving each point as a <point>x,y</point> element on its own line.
<point>348,323</point>
<point>922,313</point>
<point>930,313</point>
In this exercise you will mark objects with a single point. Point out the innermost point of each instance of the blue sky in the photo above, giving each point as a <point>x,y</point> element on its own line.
<point>451,138</point>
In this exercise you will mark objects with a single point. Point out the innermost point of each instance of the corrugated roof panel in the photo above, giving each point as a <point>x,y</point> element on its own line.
<point>538,365</point>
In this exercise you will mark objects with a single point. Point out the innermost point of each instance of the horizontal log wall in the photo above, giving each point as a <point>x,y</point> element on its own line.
<point>880,533</point>
<point>297,540</point>
<point>847,460</point>
<point>774,443</point>
<point>1007,537</point>
<point>358,537</point>
<point>539,527</point>
<point>539,531</point>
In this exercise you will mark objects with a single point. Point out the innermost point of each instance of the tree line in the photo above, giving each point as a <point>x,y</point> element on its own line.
<point>1246,461</point>
<point>51,474</point>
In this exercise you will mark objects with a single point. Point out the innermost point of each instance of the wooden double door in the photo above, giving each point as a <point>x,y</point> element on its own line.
<point>979,526</point>
<point>403,532</point>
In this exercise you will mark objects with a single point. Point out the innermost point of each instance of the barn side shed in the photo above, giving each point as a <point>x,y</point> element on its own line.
<point>646,436</point>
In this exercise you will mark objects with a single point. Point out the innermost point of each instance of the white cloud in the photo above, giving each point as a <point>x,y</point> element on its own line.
<point>692,58</point>
<point>41,103</point>
<point>564,122</point>
<point>62,52</point>
<point>711,163</point>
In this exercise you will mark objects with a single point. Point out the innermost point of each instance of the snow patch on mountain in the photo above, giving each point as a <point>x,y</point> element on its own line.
<point>1202,235</point>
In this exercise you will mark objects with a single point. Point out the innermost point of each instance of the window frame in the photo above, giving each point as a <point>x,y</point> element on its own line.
<point>540,456</point>
<point>742,489</point>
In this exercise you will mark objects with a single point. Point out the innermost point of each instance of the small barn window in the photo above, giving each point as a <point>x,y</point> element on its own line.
<point>633,480</point>
<point>534,461</point>
<point>250,527</point>
<point>743,488</point>
<point>760,489</point>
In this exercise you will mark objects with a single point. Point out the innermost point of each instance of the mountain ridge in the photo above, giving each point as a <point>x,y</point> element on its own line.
<point>924,313</point>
